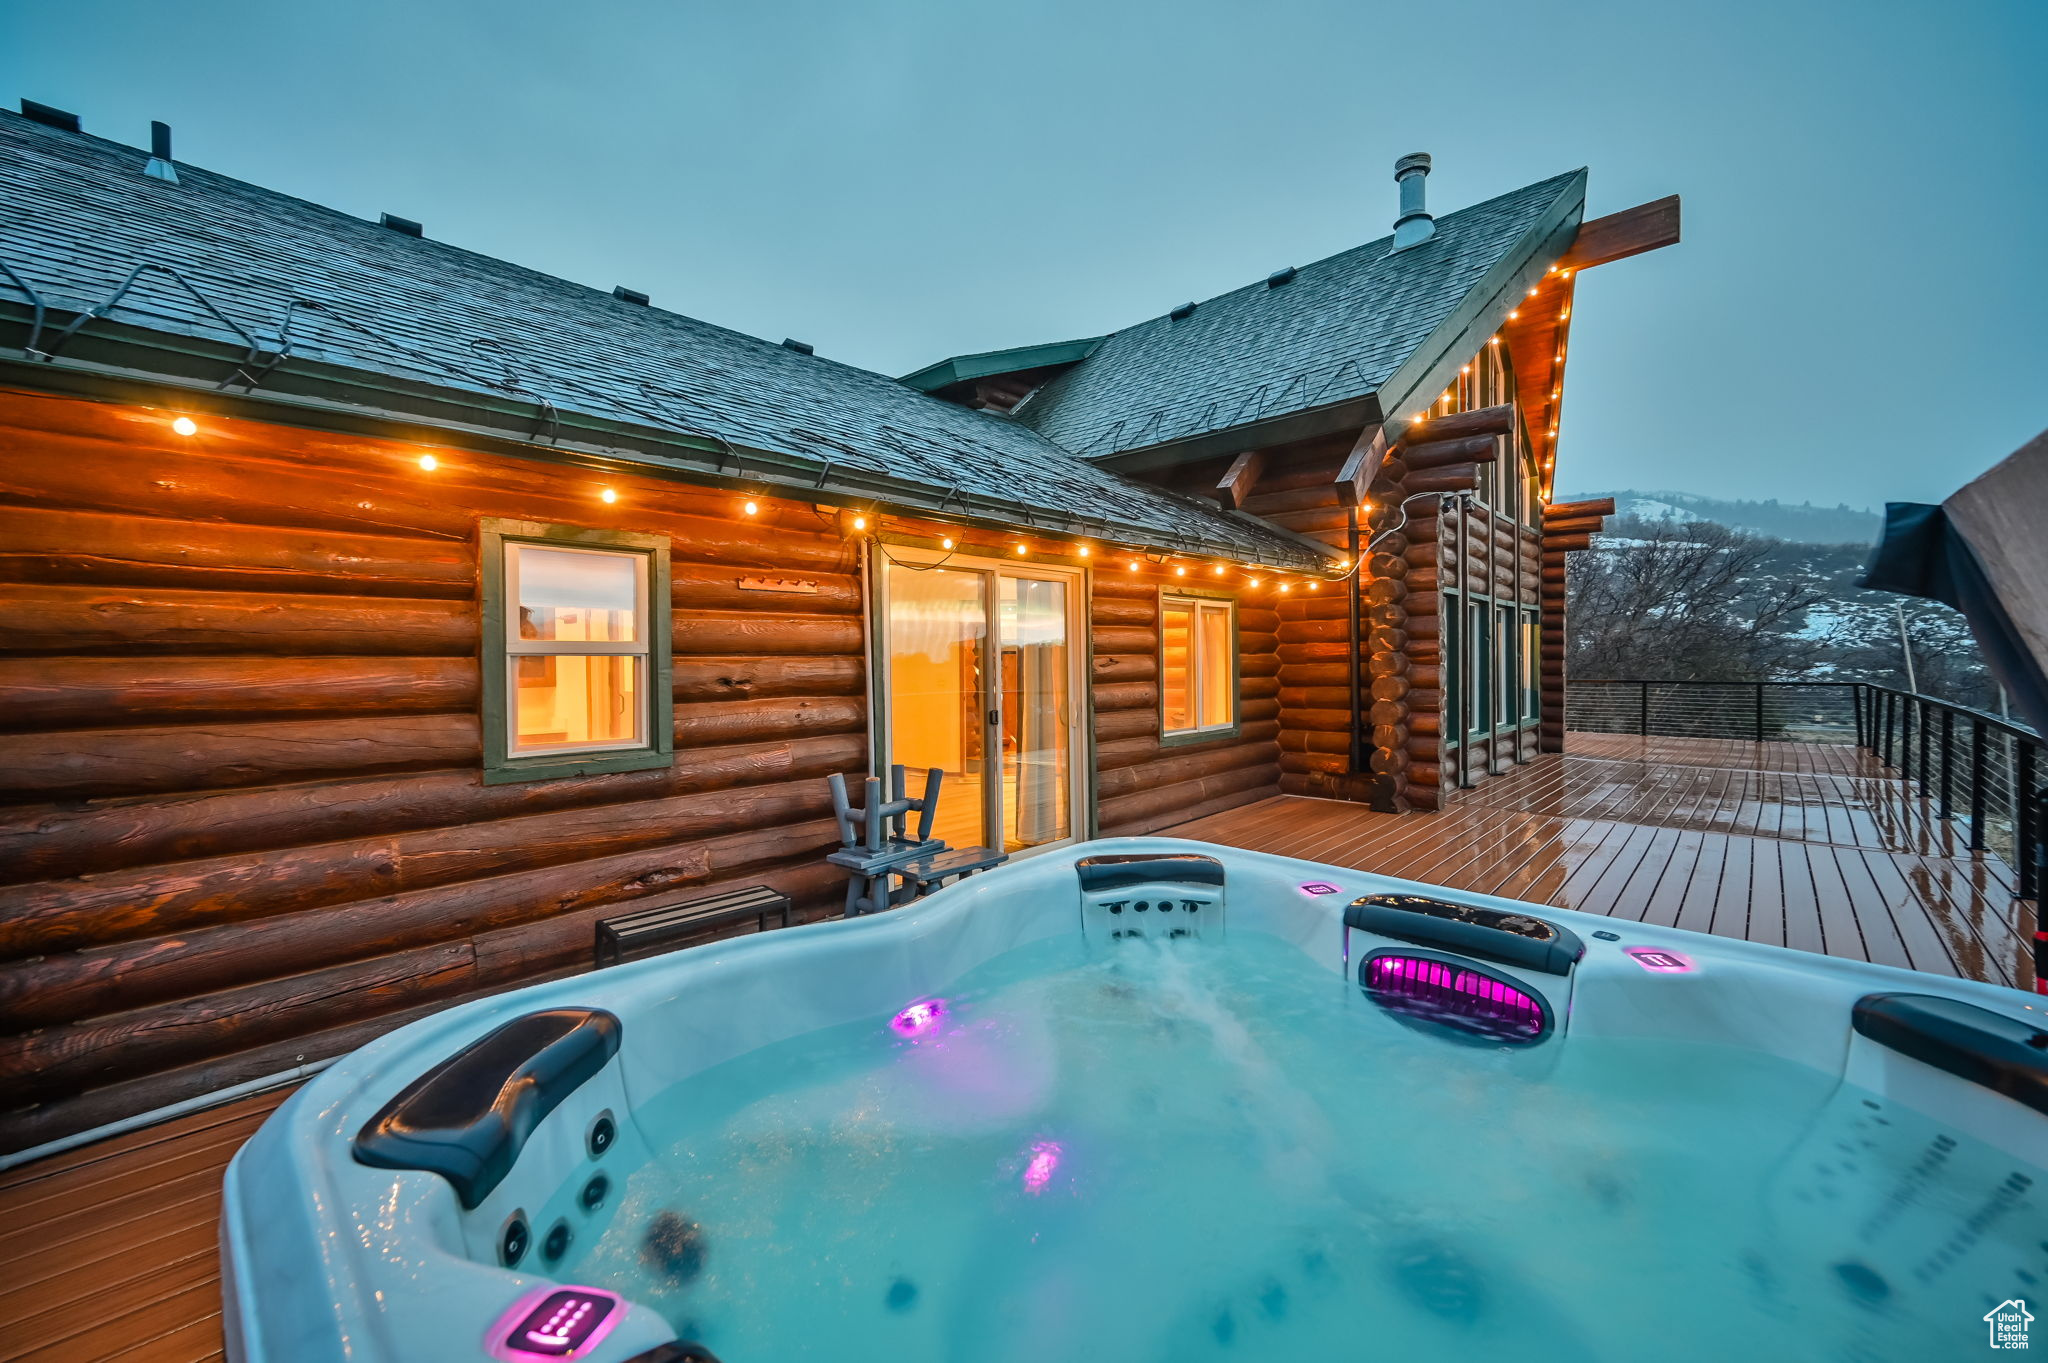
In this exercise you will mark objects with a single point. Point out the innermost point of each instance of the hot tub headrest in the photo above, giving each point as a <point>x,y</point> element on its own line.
<point>1119,872</point>
<point>2000,1053</point>
<point>467,1118</point>
<point>1516,939</point>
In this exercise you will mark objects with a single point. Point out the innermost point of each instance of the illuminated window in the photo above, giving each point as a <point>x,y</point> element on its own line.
<point>1197,665</point>
<point>576,661</point>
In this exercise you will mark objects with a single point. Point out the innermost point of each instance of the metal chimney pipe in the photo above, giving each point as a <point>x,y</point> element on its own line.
<point>160,167</point>
<point>1415,225</point>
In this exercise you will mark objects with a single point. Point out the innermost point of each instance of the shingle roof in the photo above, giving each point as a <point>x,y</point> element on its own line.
<point>81,215</point>
<point>1337,330</point>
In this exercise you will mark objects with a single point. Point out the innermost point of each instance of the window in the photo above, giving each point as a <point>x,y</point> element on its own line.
<point>1479,672</point>
<point>1506,694</point>
<point>1453,680</point>
<point>576,653</point>
<point>1197,666</point>
<point>1532,666</point>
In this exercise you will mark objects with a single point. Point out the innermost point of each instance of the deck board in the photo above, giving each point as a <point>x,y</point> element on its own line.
<point>130,1225</point>
<point>1803,845</point>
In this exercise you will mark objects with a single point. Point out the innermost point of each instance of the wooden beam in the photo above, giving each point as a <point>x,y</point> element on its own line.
<point>1240,479</point>
<point>1480,421</point>
<point>1361,466</point>
<point>1598,506</point>
<point>1646,227</point>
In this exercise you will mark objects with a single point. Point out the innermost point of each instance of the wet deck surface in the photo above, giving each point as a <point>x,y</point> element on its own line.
<point>113,1254</point>
<point>1796,844</point>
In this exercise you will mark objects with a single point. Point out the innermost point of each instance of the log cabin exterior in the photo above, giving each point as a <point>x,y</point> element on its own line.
<point>378,616</point>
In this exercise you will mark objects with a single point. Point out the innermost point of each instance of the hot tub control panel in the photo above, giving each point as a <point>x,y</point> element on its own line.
<point>564,1323</point>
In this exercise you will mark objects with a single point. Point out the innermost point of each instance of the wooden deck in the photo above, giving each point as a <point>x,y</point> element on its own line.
<point>1796,844</point>
<point>113,1253</point>
<point>1800,845</point>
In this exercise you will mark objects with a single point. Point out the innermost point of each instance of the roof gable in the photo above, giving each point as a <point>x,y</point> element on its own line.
<point>1334,333</point>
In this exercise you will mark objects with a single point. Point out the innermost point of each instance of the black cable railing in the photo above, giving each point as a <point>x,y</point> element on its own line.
<point>1980,769</point>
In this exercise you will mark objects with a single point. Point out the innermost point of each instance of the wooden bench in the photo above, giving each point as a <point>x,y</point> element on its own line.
<point>648,932</point>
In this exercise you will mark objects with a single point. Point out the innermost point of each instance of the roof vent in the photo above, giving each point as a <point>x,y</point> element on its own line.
<point>160,167</point>
<point>50,115</point>
<point>1279,277</point>
<point>626,295</point>
<point>800,347</point>
<point>398,224</point>
<point>1183,312</point>
<point>1414,226</point>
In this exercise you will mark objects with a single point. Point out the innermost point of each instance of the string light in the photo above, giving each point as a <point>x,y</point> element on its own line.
<point>860,522</point>
<point>1180,572</point>
<point>945,544</point>
<point>1134,565</point>
<point>185,425</point>
<point>752,508</point>
<point>1287,586</point>
<point>1315,586</point>
<point>1494,341</point>
<point>429,462</point>
<point>1084,551</point>
<point>1514,314</point>
<point>1254,581</point>
<point>607,495</point>
<point>1021,551</point>
<point>1218,570</point>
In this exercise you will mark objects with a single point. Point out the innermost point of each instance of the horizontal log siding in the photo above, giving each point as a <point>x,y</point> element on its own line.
<point>1145,785</point>
<point>242,820</point>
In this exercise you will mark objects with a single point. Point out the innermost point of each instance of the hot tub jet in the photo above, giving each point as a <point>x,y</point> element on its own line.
<point>1045,1159</point>
<point>918,1018</point>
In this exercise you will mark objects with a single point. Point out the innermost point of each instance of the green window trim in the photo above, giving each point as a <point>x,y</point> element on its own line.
<point>500,766</point>
<point>1172,738</point>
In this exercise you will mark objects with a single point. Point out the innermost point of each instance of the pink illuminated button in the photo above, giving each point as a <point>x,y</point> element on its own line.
<point>1656,958</point>
<point>564,1323</point>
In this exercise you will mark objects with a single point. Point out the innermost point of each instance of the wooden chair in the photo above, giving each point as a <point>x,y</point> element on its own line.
<point>875,838</point>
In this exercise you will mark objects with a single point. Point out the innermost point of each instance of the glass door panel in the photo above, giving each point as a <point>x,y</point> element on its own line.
<point>1037,712</point>
<point>937,702</point>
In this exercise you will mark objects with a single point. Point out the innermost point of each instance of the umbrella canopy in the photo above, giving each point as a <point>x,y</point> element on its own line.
<point>1985,552</point>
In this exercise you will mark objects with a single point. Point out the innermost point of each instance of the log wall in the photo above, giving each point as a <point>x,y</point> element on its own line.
<point>243,822</point>
<point>1142,784</point>
<point>1567,528</point>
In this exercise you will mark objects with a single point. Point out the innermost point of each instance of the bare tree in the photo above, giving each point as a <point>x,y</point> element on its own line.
<point>1665,600</point>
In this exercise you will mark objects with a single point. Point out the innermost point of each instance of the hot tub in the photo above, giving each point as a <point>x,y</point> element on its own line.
<point>1147,1099</point>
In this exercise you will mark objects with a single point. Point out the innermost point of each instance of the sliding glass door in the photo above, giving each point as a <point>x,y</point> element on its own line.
<point>978,678</point>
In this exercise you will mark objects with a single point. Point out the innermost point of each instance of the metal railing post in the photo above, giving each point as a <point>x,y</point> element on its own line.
<point>1884,752</point>
<point>1759,712</point>
<point>1856,709</point>
<point>1977,801</point>
<point>2025,830</point>
<point>1920,723</point>
<point>1948,752</point>
<point>1643,710</point>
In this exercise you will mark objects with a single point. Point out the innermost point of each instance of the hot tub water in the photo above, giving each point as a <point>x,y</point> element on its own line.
<point>1186,1150</point>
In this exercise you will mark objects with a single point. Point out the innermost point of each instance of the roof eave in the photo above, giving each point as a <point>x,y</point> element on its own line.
<point>118,362</point>
<point>1349,415</point>
<point>989,363</point>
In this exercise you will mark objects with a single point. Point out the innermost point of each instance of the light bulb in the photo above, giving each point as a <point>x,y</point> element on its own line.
<point>1084,551</point>
<point>1021,551</point>
<point>1532,293</point>
<point>1180,572</point>
<point>1514,313</point>
<point>751,508</point>
<point>185,425</point>
<point>1315,586</point>
<point>429,462</point>
<point>1218,570</point>
<point>608,496</point>
<point>1134,565</point>
<point>860,522</point>
<point>1254,581</point>
<point>1287,586</point>
<point>946,544</point>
